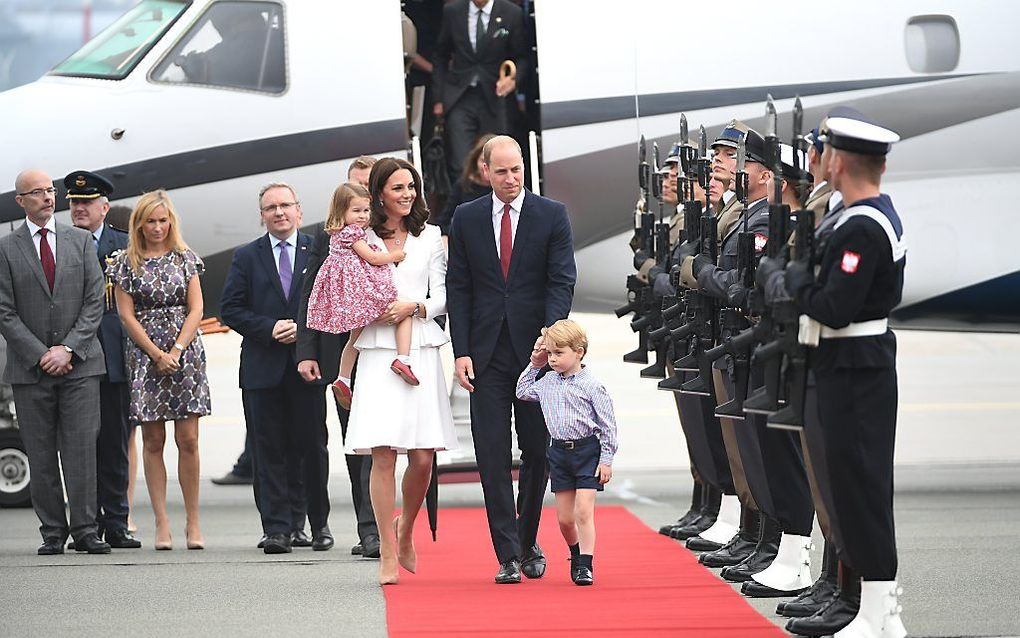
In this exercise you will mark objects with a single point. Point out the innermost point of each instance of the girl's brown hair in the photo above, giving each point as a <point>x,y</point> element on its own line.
<point>414,223</point>
<point>146,205</point>
<point>342,198</point>
<point>471,163</point>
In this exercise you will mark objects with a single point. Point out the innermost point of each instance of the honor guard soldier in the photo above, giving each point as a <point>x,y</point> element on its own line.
<point>859,281</point>
<point>88,196</point>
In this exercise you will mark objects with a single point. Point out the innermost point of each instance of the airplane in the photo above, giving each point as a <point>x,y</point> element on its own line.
<point>313,85</point>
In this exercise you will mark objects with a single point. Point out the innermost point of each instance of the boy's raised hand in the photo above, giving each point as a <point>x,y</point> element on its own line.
<point>604,472</point>
<point>539,355</point>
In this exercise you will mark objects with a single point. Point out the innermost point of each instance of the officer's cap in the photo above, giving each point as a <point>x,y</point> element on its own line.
<point>754,146</point>
<point>812,139</point>
<point>848,129</point>
<point>790,170</point>
<point>731,134</point>
<point>673,157</point>
<point>86,185</point>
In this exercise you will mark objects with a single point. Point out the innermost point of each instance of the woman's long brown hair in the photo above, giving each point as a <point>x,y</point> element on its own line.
<point>414,223</point>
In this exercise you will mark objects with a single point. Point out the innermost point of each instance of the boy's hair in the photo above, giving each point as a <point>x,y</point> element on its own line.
<point>342,198</point>
<point>566,333</point>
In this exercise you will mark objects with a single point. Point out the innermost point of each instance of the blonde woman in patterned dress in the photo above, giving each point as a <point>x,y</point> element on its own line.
<point>159,299</point>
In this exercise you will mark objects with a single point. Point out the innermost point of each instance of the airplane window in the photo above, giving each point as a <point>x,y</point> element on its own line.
<point>933,44</point>
<point>113,53</point>
<point>234,44</point>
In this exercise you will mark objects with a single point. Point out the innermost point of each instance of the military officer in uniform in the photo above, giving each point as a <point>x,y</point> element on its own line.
<point>88,196</point>
<point>859,281</point>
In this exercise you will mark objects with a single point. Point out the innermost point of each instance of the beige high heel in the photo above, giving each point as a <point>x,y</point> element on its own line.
<point>194,544</point>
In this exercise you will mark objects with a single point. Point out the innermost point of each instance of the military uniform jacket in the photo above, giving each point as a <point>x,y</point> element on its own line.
<point>717,281</point>
<point>859,279</point>
<point>111,330</point>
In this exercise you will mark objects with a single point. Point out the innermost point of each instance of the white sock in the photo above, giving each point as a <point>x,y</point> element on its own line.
<point>345,380</point>
<point>405,359</point>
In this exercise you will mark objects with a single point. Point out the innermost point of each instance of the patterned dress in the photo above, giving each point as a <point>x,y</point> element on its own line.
<point>348,292</point>
<point>159,292</point>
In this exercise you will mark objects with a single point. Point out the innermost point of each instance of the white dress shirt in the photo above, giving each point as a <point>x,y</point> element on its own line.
<point>51,237</point>
<point>497,218</point>
<point>473,19</point>
<point>291,249</point>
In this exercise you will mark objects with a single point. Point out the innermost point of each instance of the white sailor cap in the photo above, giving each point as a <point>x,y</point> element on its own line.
<point>849,130</point>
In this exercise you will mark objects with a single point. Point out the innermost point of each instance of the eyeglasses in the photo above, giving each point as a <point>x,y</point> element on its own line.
<point>39,192</point>
<point>284,207</point>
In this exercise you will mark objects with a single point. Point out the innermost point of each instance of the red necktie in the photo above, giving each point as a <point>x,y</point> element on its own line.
<point>49,267</point>
<point>506,241</point>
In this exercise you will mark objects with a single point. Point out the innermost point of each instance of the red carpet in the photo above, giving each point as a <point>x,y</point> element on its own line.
<point>645,585</point>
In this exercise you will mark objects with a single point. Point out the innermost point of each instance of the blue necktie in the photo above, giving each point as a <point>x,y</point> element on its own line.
<point>286,270</point>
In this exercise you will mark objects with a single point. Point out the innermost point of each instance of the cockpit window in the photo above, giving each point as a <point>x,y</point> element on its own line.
<point>237,45</point>
<point>113,53</point>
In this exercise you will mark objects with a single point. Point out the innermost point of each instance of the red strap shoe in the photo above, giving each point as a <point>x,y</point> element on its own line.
<point>404,371</point>
<point>343,394</point>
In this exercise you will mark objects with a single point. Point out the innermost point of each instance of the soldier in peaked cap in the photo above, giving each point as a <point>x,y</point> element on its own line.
<point>88,196</point>
<point>859,281</point>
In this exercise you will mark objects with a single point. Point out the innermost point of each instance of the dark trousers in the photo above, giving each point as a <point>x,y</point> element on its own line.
<point>858,414</point>
<point>749,434</point>
<point>295,471</point>
<point>513,527</point>
<point>112,456</point>
<point>813,445</point>
<point>468,119</point>
<point>704,437</point>
<point>290,435</point>
<point>788,483</point>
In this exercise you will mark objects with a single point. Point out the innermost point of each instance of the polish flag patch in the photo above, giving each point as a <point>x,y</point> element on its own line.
<point>850,262</point>
<point>759,242</point>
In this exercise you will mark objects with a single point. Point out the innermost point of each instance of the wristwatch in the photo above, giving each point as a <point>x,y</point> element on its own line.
<point>179,347</point>
<point>417,309</point>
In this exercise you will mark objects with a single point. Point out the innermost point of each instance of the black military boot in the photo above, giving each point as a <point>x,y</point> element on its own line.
<point>822,591</point>
<point>740,547</point>
<point>692,514</point>
<point>711,498</point>
<point>838,613</point>
<point>764,553</point>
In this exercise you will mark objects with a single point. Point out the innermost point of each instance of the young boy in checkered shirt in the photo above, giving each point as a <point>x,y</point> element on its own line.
<point>579,416</point>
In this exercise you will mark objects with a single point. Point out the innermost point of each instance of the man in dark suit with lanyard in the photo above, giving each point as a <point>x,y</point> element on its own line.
<point>511,272</point>
<point>475,38</point>
<point>260,301</point>
<point>88,195</point>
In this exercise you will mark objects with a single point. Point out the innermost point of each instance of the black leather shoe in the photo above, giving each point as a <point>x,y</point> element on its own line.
<point>277,544</point>
<point>838,613</point>
<point>262,541</point>
<point>300,539</point>
<point>357,550</point>
<point>232,479</point>
<point>370,546</point>
<point>322,539</point>
<point>764,554</point>
<point>754,589</point>
<point>581,575</point>
<point>509,572</point>
<point>121,539</point>
<point>700,524</point>
<point>533,564</point>
<point>810,602</point>
<point>699,544</point>
<point>90,543</point>
<point>732,553</point>
<point>51,546</point>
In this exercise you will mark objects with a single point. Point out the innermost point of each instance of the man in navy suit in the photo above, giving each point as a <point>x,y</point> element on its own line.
<point>260,301</point>
<point>88,196</point>
<point>511,272</point>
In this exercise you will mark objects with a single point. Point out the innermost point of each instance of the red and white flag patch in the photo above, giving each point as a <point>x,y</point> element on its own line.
<point>759,242</point>
<point>851,261</point>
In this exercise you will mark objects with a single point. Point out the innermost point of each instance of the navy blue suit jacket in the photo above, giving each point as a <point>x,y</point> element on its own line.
<point>111,330</point>
<point>252,303</point>
<point>537,292</point>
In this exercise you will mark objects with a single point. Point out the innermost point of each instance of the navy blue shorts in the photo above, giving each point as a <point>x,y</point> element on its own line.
<point>574,469</point>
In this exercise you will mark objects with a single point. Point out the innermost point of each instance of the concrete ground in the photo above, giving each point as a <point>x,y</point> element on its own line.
<point>957,508</point>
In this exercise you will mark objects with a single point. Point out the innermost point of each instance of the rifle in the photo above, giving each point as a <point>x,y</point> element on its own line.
<point>639,296</point>
<point>652,317</point>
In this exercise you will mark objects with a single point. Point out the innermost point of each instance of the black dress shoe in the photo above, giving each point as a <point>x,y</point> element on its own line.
<point>232,479</point>
<point>300,539</point>
<point>533,563</point>
<point>277,544</point>
<point>838,613</point>
<point>699,544</point>
<point>357,550</point>
<point>509,572</point>
<point>764,554</point>
<point>370,546</point>
<point>732,553</point>
<point>121,539</point>
<point>754,589</point>
<point>581,575</point>
<point>810,602</point>
<point>90,543</point>
<point>322,539</point>
<point>703,522</point>
<point>51,546</point>
<point>262,541</point>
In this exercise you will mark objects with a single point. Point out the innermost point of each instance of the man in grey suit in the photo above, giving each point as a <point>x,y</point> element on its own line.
<point>51,303</point>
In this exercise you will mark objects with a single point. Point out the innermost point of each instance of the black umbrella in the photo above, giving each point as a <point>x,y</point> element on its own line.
<point>432,498</point>
<point>434,170</point>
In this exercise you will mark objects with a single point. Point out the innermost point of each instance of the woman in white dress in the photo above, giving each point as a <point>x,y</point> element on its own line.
<point>388,416</point>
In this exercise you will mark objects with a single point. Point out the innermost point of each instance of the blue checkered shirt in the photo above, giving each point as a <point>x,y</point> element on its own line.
<point>574,407</point>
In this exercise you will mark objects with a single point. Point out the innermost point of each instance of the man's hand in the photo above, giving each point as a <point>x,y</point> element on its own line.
<point>505,86</point>
<point>285,331</point>
<point>604,472</point>
<point>465,371</point>
<point>437,109</point>
<point>56,361</point>
<point>539,355</point>
<point>309,370</point>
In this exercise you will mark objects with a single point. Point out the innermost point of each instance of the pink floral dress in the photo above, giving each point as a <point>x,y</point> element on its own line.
<point>348,292</point>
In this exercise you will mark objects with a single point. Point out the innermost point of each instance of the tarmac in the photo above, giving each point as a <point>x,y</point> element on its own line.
<point>957,513</point>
